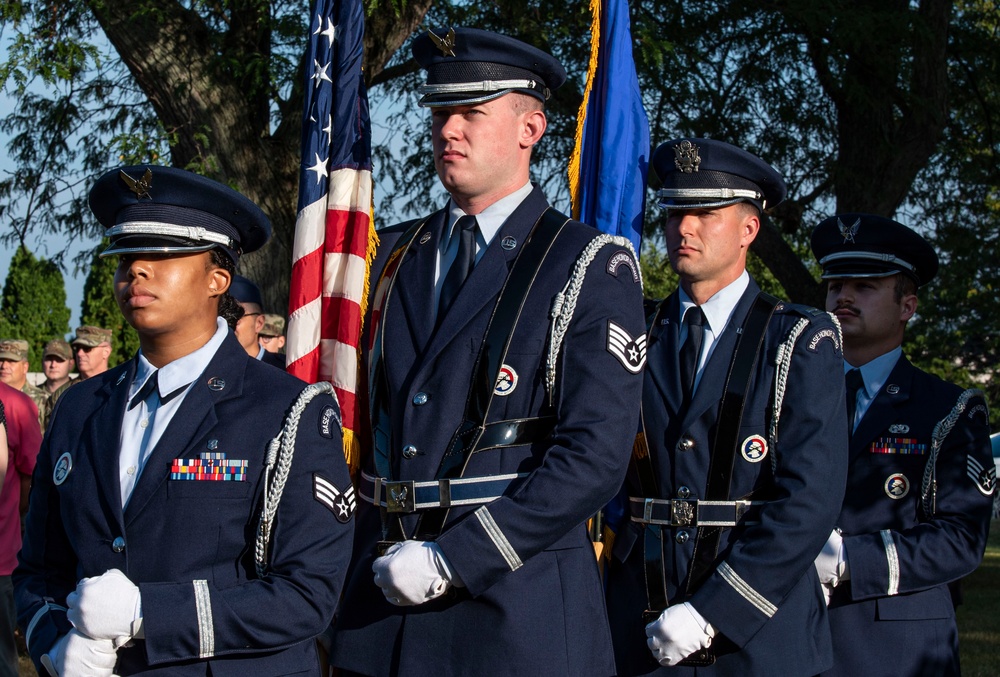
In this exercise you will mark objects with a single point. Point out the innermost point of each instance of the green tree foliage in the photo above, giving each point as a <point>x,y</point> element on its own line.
<point>33,307</point>
<point>100,309</point>
<point>212,87</point>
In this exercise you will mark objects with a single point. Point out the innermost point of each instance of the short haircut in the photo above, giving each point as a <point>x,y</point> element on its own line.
<point>905,286</point>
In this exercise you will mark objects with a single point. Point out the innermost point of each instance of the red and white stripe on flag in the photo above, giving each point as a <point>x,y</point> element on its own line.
<point>334,243</point>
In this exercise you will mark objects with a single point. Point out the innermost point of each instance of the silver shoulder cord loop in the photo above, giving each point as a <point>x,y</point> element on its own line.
<point>278,464</point>
<point>564,303</point>
<point>928,487</point>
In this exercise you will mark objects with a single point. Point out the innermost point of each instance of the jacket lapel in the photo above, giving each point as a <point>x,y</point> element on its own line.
<point>103,435</point>
<point>195,417</point>
<point>882,412</point>
<point>662,353</point>
<point>482,287</point>
<point>713,377</point>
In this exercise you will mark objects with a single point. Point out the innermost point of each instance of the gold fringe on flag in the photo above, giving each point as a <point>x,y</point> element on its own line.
<point>581,116</point>
<point>352,443</point>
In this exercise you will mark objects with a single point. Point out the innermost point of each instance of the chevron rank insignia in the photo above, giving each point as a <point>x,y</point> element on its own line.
<point>984,478</point>
<point>631,352</point>
<point>340,503</point>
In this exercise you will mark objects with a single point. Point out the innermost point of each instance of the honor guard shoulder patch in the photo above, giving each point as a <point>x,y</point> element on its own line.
<point>979,409</point>
<point>340,503</point>
<point>328,421</point>
<point>623,258</point>
<point>984,478</point>
<point>631,352</point>
<point>827,333</point>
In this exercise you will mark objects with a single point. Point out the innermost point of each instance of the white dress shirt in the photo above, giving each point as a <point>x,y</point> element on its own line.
<point>489,222</point>
<point>718,310</point>
<point>143,425</point>
<point>874,374</point>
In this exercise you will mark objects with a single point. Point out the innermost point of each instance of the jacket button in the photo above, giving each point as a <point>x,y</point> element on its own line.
<point>118,544</point>
<point>683,492</point>
<point>420,399</point>
<point>681,537</point>
<point>685,444</point>
<point>409,451</point>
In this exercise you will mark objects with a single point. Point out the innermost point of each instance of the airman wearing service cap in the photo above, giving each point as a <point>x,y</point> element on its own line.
<point>14,366</point>
<point>508,550</point>
<point>175,442</point>
<point>921,477</point>
<point>690,583</point>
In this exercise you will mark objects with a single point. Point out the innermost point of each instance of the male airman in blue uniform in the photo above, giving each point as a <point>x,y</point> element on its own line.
<point>920,478</point>
<point>505,381</point>
<point>157,540</point>
<point>740,471</point>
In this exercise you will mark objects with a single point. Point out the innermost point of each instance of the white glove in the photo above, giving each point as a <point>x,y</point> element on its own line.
<point>76,654</point>
<point>106,607</point>
<point>831,564</point>
<point>677,633</point>
<point>413,572</point>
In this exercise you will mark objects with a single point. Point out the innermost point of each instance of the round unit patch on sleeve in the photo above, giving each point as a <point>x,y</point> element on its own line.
<point>631,352</point>
<point>329,422</point>
<point>340,503</point>
<point>62,469</point>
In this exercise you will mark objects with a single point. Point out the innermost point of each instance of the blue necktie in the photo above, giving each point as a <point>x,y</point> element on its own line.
<point>464,261</point>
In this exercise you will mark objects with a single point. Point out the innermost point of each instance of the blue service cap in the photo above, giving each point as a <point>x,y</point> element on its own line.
<point>467,66</point>
<point>705,174</point>
<point>865,245</point>
<point>154,209</point>
<point>245,291</point>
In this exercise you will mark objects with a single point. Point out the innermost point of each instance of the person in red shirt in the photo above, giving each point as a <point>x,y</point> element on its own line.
<point>24,437</point>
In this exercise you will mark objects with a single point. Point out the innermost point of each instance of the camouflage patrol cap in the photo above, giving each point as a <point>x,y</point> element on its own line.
<point>274,325</point>
<point>90,336</point>
<point>58,348</point>
<point>13,349</point>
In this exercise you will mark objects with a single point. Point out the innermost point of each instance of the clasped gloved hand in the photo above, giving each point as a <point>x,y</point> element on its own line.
<point>414,572</point>
<point>679,632</point>
<point>75,654</point>
<point>106,607</point>
<point>831,564</point>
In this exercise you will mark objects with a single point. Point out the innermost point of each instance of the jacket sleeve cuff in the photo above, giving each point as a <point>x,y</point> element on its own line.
<point>47,625</point>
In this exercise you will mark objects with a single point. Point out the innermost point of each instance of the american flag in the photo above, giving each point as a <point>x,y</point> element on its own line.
<point>334,234</point>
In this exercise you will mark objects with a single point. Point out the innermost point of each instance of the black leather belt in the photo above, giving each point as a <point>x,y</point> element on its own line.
<point>689,512</point>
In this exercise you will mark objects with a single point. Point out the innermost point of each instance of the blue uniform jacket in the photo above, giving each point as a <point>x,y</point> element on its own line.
<point>764,597</point>
<point>895,615</point>
<point>532,599</point>
<point>189,545</point>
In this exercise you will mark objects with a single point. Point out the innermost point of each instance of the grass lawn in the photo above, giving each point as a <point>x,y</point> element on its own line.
<point>979,615</point>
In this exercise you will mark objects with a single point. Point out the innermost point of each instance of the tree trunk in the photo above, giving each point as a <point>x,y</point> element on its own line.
<point>220,118</point>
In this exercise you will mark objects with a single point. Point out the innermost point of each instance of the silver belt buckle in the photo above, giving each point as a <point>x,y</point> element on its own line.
<point>681,512</point>
<point>399,496</point>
